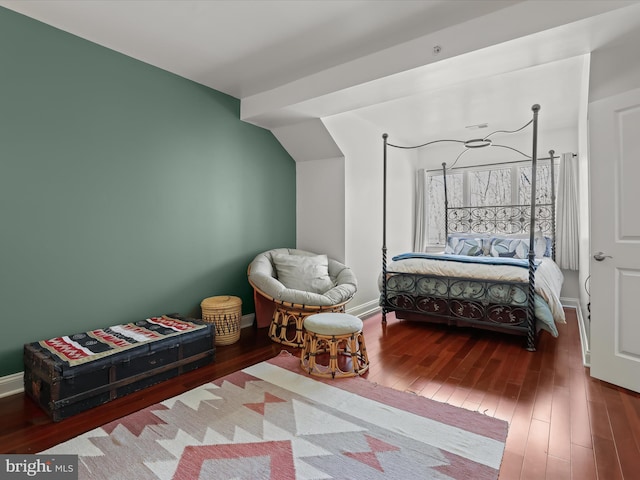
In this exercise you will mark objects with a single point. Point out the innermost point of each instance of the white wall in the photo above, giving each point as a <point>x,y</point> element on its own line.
<point>320,207</point>
<point>615,68</point>
<point>584,219</point>
<point>320,188</point>
<point>361,144</point>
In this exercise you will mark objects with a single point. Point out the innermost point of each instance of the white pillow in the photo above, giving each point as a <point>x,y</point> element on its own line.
<point>539,244</point>
<point>309,273</point>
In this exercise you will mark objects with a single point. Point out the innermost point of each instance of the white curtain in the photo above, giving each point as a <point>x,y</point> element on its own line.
<point>567,213</point>
<point>420,222</point>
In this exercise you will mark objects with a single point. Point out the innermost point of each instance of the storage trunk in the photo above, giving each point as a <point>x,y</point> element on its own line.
<point>65,378</point>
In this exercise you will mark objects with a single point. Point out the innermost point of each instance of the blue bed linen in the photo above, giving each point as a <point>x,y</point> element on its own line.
<point>516,262</point>
<point>544,316</point>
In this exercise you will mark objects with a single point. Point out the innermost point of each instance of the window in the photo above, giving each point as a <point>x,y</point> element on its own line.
<point>505,184</point>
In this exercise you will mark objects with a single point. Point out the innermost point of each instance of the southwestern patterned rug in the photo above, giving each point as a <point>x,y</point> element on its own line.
<point>271,421</point>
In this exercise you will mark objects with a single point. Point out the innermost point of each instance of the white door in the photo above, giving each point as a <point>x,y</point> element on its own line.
<point>614,160</point>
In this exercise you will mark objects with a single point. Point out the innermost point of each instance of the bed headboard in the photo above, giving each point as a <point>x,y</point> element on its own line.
<point>501,219</point>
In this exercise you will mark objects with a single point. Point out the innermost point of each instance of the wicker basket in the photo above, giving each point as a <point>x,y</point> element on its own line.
<point>225,313</point>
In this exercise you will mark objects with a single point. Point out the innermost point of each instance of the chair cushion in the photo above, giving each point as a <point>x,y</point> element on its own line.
<point>303,272</point>
<point>332,323</point>
<point>263,275</point>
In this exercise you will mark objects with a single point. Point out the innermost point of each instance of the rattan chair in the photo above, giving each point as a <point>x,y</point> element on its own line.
<point>291,306</point>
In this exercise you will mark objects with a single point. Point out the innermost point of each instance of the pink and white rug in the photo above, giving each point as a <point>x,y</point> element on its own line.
<point>272,421</point>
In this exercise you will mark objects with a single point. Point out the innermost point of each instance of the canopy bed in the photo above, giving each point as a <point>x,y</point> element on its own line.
<point>497,271</point>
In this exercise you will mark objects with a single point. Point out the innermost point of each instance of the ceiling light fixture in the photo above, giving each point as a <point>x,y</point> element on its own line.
<point>477,143</point>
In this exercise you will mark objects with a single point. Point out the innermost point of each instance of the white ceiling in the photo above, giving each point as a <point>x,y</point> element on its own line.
<point>503,102</point>
<point>247,47</point>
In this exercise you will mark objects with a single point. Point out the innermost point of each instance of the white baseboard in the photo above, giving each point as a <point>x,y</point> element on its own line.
<point>247,320</point>
<point>584,338</point>
<point>364,309</point>
<point>11,384</point>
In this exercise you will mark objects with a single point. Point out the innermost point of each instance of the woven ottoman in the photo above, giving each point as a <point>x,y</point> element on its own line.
<point>333,346</point>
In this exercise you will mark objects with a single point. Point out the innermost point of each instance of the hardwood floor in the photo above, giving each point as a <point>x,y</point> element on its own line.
<point>563,423</point>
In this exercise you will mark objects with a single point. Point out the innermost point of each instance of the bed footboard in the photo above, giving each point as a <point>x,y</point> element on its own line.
<point>487,304</point>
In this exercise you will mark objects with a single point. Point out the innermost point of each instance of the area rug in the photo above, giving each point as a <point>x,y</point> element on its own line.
<point>272,421</point>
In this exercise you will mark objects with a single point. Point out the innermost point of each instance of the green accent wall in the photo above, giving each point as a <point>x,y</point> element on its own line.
<point>125,191</point>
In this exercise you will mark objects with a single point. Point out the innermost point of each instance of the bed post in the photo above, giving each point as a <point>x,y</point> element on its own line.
<point>384,229</point>
<point>531,319</point>
<point>446,203</point>
<point>553,208</point>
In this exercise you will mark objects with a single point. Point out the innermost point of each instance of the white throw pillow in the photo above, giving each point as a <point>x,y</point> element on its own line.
<point>539,244</point>
<point>309,273</point>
